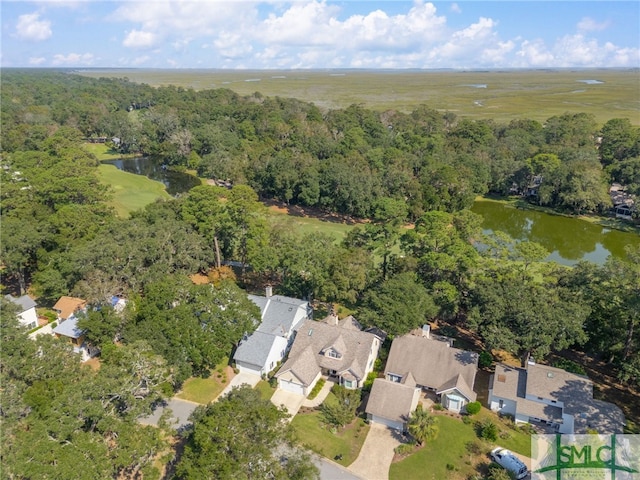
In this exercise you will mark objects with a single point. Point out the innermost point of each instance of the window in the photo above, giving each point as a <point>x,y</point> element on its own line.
<point>501,404</point>
<point>333,354</point>
<point>395,378</point>
<point>347,383</point>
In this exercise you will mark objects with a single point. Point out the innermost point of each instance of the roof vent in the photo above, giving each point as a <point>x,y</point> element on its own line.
<point>310,332</point>
<point>550,375</point>
<point>502,378</point>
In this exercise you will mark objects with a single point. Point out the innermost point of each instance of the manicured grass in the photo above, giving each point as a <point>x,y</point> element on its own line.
<point>314,436</point>
<point>450,449</point>
<point>205,390</point>
<point>266,391</point>
<point>310,224</point>
<point>103,152</point>
<point>130,191</point>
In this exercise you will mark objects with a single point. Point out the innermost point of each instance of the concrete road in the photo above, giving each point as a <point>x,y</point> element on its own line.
<point>181,410</point>
<point>332,471</point>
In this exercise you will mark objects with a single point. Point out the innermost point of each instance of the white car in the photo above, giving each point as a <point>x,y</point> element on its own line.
<point>509,461</point>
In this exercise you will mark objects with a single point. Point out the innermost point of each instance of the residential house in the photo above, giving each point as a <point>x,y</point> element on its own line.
<point>337,349</point>
<point>427,363</point>
<point>27,315</point>
<point>67,329</point>
<point>391,403</point>
<point>260,352</point>
<point>552,398</point>
<point>66,307</point>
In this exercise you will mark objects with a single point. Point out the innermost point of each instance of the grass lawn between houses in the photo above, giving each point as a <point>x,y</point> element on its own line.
<point>347,441</point>
<point>205,390</point>
<point>448,455</point>
<point>266,390</point>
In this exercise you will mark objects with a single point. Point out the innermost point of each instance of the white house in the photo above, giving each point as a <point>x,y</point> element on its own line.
<point>27,315</point>
<point>260,352</point>
<point>553,398</point>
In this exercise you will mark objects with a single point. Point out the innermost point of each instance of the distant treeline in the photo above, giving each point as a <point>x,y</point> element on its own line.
<point>343,160</point>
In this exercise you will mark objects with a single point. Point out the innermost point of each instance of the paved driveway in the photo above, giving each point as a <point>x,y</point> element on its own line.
<point>291,401</point>
<point>241,378</point>
<point>180,409</point>
<point>377,453</point>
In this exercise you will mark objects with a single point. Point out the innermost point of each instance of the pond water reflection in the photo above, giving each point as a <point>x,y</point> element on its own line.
<point>175,182</point>
<point>568,239</point>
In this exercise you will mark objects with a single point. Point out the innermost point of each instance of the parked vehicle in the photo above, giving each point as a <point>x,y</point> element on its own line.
<point>507,460</point>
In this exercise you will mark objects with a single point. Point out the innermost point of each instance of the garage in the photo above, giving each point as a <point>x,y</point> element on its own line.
<point>291,386</point>
<point>389,423</point>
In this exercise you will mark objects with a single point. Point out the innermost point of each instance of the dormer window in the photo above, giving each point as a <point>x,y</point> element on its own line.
<point>333,354</point>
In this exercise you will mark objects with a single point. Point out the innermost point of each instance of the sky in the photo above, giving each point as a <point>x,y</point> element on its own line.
<point>320,34</point>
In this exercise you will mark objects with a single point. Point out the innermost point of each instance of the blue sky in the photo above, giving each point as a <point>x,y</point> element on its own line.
<point>319,34</point>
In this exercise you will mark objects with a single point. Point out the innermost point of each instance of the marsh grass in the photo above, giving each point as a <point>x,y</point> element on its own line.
<point>510,94</point>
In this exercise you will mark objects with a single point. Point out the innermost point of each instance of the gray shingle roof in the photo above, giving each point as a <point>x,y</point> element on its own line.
<point>509,382</point>
<point>556,384</point>
<point>432,363</point>
<point>303,366</point>
<point>354,345</point>
<point>255,349</point>
<point>392,400</point>
<point>69,328</point>
<point>280,314</point>
<point>24,303</point>
<point>460,385</point>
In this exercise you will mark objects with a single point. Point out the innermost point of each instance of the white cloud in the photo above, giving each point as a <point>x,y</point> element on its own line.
<point>30,27</point>
<point>37,60</point>
<point>73,59</point>
<point>590,25</point>
<point>455,8</point>
<point>140,39</point>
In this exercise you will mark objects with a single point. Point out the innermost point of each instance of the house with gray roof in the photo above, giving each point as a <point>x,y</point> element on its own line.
<point>69,331</point>
<point>433,364</point>
<point>260,352</point>
<point>26,307</point>
<point>340,350</point>
<point>391,403</point>
<point>421,361</point>
<point>553,398</point>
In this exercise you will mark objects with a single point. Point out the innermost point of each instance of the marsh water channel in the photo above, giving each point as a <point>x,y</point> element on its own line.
<point>569,240</point>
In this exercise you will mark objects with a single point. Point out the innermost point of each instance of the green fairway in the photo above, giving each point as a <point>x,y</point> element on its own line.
<point>130,191</point>
<point>498,95</point>
<point>103,152</point>
<point>304,225</point>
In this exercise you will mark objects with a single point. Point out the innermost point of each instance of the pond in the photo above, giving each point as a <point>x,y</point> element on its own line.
<point>569,240</point>
<point>175,182</point>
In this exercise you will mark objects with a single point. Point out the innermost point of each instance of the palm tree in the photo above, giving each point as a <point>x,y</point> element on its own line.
<point>422,426</point>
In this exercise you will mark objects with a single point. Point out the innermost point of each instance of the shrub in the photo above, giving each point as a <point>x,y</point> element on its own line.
<point>405,448</point>
<point>316,388</point>
<point>368,383</point>
<point>485,359</point>
<point>473,408</point>
<point>438,406</point>
<point>489,431</point>
<point>467,420</point>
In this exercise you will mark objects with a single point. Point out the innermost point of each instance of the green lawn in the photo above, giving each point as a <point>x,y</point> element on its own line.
<point>102,152</point>
<point>450,449</point>
<point>310,224</point>
<point>205,390</point>
<point>266,391</point>
<point>130,191</point>
<point>346,442</point>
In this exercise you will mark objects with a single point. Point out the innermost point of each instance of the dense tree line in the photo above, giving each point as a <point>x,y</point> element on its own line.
<point>340,160</point>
